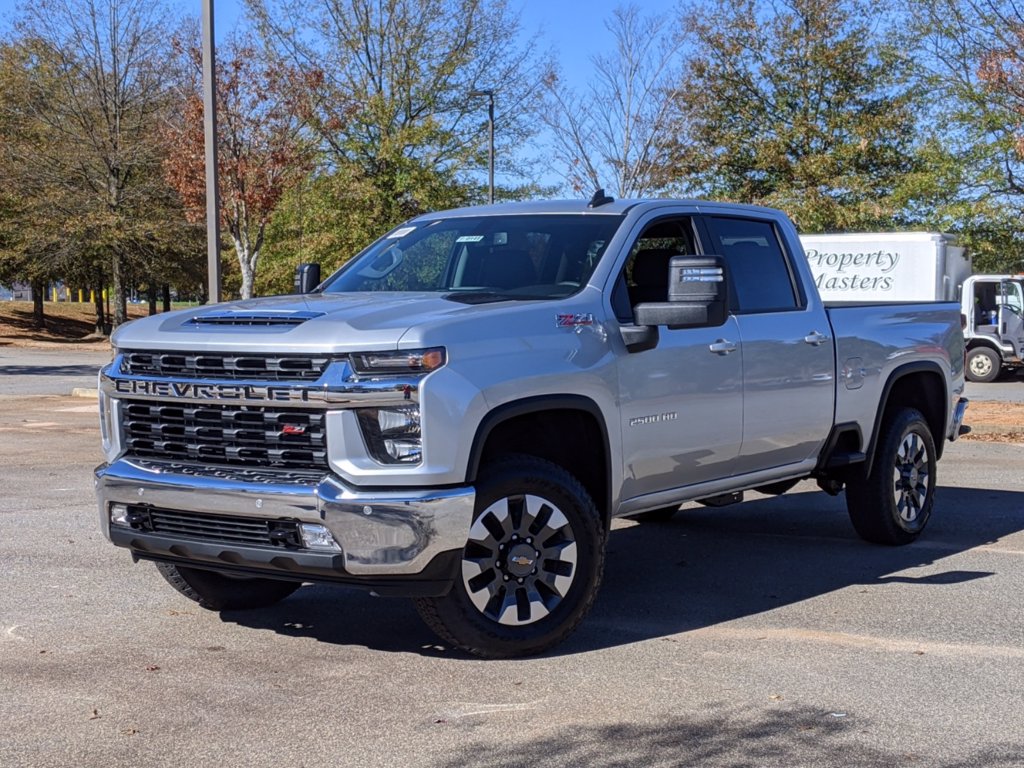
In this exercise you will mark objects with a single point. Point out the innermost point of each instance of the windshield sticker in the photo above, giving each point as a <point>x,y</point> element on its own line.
<point>470,239</point>
<point>401,232</point>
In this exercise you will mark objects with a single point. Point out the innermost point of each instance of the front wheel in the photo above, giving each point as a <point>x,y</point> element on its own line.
<point>531,566</point>
<point>983,364</point>
<point>218,592</point>
<point>893,503</point>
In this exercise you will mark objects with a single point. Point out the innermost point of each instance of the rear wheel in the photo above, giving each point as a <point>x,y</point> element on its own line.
<point>531,566</point>
<point>983,364</point>
<point>893,504</point>
<point>218,592</point>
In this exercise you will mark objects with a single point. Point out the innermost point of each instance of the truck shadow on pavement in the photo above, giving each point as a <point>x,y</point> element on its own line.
<point>788,736</point>
<point>705,567</point>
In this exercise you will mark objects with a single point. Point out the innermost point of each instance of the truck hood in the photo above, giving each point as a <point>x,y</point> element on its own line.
<point>335,323</point>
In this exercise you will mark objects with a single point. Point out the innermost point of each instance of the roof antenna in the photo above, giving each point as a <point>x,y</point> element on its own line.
<point>599,199</point>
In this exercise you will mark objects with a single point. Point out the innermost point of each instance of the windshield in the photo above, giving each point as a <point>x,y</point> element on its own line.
<point>483,258</point>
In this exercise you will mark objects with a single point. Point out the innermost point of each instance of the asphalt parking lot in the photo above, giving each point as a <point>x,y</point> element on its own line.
<point>762,634</point>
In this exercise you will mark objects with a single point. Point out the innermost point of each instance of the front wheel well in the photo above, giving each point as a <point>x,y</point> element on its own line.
<point>572,437</point>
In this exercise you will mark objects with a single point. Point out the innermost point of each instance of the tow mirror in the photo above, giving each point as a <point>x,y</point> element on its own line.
<point>698,295</point>
<point>307,277</point>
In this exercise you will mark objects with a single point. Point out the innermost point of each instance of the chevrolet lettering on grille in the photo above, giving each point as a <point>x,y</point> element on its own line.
<point>236,392</point>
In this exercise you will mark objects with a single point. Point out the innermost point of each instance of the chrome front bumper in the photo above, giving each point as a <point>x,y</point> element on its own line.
<point>382,533</point>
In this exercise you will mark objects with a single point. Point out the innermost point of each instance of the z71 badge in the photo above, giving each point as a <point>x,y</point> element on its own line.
<point>576,320</point>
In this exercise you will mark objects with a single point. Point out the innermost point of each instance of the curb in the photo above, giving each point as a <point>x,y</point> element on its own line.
<point>86,392</point>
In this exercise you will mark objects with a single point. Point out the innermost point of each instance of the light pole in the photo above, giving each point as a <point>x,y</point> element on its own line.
<point>489,93</point>
<point>210,137</point>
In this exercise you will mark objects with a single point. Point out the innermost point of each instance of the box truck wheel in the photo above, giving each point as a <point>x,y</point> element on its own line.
<point>893,503</point>
<point>531,566</point>
<point>983,364</point>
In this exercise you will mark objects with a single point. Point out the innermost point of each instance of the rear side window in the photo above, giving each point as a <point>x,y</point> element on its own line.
<point>761,276</point>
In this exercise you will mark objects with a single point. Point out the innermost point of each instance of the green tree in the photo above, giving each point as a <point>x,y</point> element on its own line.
<point>803,105</point>
<point>33,245</point>
<point>98,152</point>
<point>974,52</point>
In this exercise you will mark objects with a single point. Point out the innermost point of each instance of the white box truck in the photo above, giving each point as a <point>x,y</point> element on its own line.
<point>887,266</point>
<point>871,267</point>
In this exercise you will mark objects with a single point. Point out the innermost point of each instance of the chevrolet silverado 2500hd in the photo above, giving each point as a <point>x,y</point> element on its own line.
<point>460,411</point>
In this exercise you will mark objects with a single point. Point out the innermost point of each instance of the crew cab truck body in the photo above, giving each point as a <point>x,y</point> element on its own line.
<point>459,412</point>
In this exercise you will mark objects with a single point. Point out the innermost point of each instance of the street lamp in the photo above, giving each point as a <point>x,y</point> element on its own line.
<point>489,93</point>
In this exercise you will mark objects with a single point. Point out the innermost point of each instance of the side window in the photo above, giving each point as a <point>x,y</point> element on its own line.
<point>1012,295</point>
<point>761,276</point>
<point>645,275</point>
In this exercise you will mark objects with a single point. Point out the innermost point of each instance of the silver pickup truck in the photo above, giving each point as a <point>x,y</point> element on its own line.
<point>459,412</point>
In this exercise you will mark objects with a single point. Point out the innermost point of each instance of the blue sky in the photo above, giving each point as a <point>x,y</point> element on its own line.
<point>574,29</point>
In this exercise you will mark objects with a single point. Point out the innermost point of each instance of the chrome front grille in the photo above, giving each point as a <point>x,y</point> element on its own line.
<point>220,434</point>
<point>221,365</point>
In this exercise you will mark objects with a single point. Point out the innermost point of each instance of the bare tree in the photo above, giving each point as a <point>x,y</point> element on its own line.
<point>613,134</point>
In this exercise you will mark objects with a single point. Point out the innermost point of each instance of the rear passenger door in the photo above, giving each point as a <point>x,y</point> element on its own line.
<point>788,365</point>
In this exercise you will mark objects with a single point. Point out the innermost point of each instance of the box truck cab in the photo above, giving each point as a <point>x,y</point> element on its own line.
<point>993,309</point>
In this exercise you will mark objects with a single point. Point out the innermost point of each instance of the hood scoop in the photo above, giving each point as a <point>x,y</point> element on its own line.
<point>257,318</point>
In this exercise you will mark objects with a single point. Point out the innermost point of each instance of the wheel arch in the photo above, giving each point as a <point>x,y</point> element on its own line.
<point>980,341</point>
<point>920,385</point>
<point>538,426</point>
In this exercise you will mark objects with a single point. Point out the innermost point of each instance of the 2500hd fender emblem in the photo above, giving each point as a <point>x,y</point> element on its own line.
<point>210,391</point>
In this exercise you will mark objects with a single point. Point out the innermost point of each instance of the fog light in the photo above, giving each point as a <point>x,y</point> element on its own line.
<point>119,515</point>
<point>315,536</point>
<point>406,451</point>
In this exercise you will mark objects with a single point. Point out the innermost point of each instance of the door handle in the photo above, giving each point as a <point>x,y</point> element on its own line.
<point>815,339</point>
<point>722,347</point>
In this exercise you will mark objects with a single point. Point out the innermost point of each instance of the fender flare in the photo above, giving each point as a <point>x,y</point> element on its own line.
<point>909,369</point>
<point>538,404</point>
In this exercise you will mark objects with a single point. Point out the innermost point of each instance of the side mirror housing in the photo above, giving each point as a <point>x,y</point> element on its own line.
<point>698,295</point>
<point>307,277</point>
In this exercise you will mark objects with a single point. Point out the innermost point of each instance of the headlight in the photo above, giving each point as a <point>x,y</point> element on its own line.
<point>392,435</point>
<point>402,361</point>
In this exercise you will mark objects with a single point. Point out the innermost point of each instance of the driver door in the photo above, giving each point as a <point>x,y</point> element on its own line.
<point>1011,320</point>
<point>681,402</point>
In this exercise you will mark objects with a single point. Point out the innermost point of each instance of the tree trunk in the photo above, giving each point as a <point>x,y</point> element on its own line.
<point>101,315</point>
<point>167,297</point>
<point>151,294</point>
<point>38,291</point>
<point>117,287</point>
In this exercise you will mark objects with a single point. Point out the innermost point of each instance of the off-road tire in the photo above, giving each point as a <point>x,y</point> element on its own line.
<point>217,592</point>
<point>893,504</point>
<point>510,488</point>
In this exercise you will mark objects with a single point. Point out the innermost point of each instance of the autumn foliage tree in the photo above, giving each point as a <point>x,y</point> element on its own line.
<point>261,149</point>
